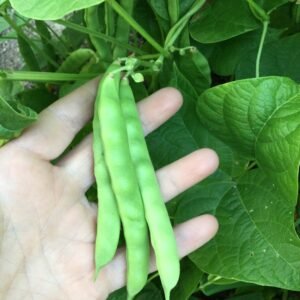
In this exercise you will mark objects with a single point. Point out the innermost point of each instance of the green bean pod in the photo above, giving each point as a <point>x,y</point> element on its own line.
<point>108,225</point>
<point>174,11</point>
<point>161,231</point>
<point>77,60</point>
<point>123,29</point>
<point>94,19</point>
<point>125,184</point>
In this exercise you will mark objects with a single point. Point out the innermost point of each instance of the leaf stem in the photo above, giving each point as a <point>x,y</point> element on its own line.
<point>122,12</point>
<point>43,76</point>
<point>260,48</point>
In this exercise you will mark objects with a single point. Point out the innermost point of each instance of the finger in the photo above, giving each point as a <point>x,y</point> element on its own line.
<point>158,108</point>
<point>190,236</point>
<point>58,124</point>
<point>186,172</point>
<point>154,111</point>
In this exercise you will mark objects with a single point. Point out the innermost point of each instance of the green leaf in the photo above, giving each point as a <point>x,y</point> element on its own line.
<point>37,99</point>
<point>280,57</point>
<point>50,10</point>
<point>194,66</point>
<point>260,119</point>
<point>13,118</point>
<point>256,241</point>
<point>73,39</point>
<point>145,16</point>
<point>223,20</point>
<point>9,89</point>
<point>270,5</point>
<point>227,55</point>
<point>3,24</point>
<point>160,10</point>
<point>230,161</point>
<point>149,292</point>
<point>190,277</point>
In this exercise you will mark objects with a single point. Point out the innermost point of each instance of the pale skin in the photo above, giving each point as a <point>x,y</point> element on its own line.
<point>47,226</point>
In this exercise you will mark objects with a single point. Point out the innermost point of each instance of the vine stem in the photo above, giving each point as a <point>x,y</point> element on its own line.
<point>123,13</point>
<point>260,48</point>
<point>43,76</point>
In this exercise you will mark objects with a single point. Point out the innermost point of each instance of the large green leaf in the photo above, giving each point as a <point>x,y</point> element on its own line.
<point>280,57</point>
<point>13,115</point>
<point>194,66</point>
<point>230,161</point>
<point>260,119</point>
<point>270,5</point>
<point>223,20</point>
<point>50,10</point>
<point>256,241</point>
<point>226,55</point>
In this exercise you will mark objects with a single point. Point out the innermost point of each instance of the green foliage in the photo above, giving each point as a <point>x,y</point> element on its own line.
<point>50,10</point>
<point>210,53</point>
<point>222,20</point>
<point>14,116</point>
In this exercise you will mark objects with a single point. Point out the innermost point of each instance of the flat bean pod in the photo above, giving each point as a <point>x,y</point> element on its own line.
<point>161,231</point>
<point>125,184</point>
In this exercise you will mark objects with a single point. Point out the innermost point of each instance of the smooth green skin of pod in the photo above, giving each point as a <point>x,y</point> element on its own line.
<point>123,28</point>
<point>125,185</point>
<point>108,225</point>
<point>174,9</point>
<point>92,20</point>
<point>161,231</point>
<point>76,60</point>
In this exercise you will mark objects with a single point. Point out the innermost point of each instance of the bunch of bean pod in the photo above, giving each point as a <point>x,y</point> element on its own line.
<point>128,191</point>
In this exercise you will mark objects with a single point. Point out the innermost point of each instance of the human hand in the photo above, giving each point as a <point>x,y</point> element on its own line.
<point>47,226</point>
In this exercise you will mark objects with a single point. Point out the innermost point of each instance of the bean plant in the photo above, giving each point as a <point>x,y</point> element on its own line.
<point>237,65</point>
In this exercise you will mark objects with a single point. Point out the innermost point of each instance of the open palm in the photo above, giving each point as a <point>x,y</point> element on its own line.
<point>47,226</point>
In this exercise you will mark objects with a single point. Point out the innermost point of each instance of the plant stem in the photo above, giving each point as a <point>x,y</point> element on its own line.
<point>260,48</point>
<point>148,56</point>
<point>176,30</point>
<point>100,35</point>
<point>208,283</point>
<point>43,76</point>
<point>137,27</point>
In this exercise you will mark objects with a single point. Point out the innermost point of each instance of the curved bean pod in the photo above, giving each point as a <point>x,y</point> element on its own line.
<point>77,60</point>
<point>161,231</point>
